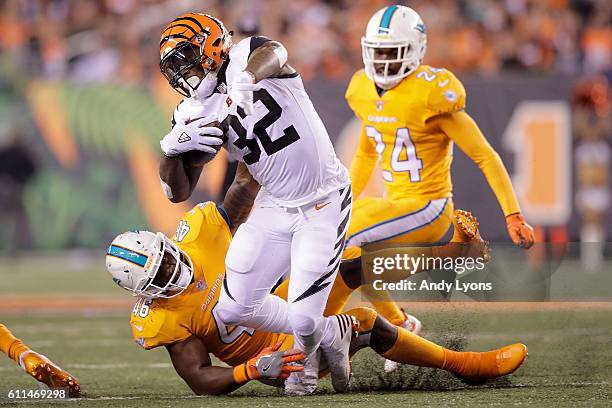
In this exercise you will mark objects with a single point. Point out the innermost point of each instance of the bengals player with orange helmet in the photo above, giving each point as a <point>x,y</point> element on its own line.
<point>193,46</point>
<point>269,125</point>
<point>194,51</point>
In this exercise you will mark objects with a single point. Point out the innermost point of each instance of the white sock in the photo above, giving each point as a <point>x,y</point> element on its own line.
<point>310,343</point>
<point>330,331</point>
<point>21,356</point>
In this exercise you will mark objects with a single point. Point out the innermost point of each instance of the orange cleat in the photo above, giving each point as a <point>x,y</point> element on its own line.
<point>466,226</point>
<point>466,231</point>
<point>510,358</point>
<point>475,368</point>
<point>41,368</point>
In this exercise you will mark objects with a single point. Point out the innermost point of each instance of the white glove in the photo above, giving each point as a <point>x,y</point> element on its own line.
<point>194,135</point>
<point>241,91</point>
<point>190,109</point>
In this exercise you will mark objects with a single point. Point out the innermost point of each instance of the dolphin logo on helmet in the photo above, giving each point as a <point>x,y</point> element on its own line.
<point>134,259</point>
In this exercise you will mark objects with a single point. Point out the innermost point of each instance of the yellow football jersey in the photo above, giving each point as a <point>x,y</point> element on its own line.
<point>203,233</point>
<point>415,156</point>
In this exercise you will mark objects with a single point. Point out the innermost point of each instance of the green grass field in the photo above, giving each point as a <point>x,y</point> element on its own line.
<point>569,363</point>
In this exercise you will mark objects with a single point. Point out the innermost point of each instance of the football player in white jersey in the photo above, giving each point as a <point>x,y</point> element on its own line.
<point>303,209</point>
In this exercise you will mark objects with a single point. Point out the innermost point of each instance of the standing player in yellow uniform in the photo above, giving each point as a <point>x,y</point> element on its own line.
<point>411,116</point>
<point>179,282</point>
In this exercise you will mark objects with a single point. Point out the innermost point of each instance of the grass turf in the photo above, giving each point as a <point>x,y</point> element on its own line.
<point>569,364</point>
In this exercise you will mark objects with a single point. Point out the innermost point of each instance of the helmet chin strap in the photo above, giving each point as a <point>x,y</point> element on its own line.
<point>185,276</point>
<point>406,69</point>
<point>389,85</point>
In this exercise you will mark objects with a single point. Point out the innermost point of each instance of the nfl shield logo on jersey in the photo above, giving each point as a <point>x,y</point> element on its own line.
<point>380,105</point>
<point>201,285</point>
<point>450,96</point>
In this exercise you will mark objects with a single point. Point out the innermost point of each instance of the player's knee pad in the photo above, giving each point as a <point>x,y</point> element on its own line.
<point>383,334</point>
<point>302,323</point>
<point>231,312</point>
<point>245,250</point>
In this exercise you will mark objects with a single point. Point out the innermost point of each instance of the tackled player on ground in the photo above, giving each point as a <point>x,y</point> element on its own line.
<point>178,283</point>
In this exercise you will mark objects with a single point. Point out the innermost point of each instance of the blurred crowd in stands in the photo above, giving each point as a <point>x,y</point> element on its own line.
<point>116,41</point>
<point>101,40</point>
<point>592,131</point>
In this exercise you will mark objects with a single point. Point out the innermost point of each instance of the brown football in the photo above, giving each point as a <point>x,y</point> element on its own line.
<point>196,158</point>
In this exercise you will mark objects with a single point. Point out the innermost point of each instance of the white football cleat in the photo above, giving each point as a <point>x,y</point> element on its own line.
<point>301,383</point>
<point>411,324</point>
<point>337,352</point>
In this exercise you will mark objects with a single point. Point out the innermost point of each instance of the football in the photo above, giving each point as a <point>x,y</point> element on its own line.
<point>197,158</point>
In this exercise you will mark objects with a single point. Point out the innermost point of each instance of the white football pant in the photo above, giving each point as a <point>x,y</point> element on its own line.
<point>309,242</point>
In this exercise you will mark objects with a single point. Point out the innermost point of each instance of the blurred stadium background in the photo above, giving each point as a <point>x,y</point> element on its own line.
<point>83,106</point>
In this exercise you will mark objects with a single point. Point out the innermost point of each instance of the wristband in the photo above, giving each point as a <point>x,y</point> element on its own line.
<point>241,375</point>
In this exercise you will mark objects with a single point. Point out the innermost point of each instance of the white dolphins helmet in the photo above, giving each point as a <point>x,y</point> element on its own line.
<point>134,258</point>
<point>398,27</point>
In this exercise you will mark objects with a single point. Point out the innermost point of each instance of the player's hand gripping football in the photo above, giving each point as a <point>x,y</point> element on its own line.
<point>271,364</point>
<point>520,232</point>
<point>192,135</point>
<point>241,91</point>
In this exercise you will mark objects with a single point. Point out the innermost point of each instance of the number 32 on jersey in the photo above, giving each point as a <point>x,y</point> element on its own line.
<point>408,162</point>
<point>270,146</point>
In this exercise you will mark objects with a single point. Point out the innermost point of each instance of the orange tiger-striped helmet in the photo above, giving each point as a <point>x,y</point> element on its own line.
<point>192,46</point>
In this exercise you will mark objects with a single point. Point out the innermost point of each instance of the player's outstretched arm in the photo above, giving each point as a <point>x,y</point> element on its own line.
<point>178,180</point>
<point>240,196</point>
<point>462,129</point>
<point>191,361</point>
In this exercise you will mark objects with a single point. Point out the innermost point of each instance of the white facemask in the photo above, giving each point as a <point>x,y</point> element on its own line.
<point>185,277</point>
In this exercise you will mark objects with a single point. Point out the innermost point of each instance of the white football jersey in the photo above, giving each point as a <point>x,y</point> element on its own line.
<point>284,142</point>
